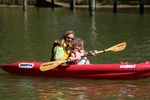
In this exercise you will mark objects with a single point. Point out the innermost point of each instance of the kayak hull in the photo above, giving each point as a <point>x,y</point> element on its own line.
<point>91,71</point>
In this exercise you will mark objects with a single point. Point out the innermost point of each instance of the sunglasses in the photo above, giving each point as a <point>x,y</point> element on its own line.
<point>69,38</point>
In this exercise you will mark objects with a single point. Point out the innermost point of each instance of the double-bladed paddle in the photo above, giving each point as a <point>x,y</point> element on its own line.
<point>53,64</point>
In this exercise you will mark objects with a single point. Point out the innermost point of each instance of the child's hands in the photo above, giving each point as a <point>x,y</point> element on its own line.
<point>94,53</point>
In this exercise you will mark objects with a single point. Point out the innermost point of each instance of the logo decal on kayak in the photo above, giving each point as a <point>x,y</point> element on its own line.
<point>26,65</point>
<point>127,66</point>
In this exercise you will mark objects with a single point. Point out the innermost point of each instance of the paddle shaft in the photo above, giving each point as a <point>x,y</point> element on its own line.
<point>115,48</point>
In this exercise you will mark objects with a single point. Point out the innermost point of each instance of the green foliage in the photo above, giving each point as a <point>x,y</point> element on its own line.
<point>124,2</point>
<point>79,2</point>
<point>83,2</point>
<point>17,2</point>
<point>106,2</point>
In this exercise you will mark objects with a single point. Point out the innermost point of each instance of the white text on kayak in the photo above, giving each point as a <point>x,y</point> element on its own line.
<point>26,65</point>
<point>127,66</point>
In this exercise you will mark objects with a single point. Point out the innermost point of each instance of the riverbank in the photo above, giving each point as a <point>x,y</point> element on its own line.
<point>98,5</point>
<point>2,5</point>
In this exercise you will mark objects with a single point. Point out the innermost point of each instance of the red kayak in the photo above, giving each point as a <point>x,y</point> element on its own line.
<point>92,71</point>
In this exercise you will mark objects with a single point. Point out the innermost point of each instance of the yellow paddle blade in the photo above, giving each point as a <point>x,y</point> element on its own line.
<point>50,65</point>
<point>118,47</point>
<point>115,48</point>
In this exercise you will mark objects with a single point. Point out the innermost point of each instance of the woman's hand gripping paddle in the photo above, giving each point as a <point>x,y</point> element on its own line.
<point>53,64</point>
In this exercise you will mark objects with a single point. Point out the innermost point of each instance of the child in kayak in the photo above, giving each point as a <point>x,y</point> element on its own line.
<point>78,51</point>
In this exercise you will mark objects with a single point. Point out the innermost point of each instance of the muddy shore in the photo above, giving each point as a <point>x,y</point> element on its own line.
<point>98,5</point>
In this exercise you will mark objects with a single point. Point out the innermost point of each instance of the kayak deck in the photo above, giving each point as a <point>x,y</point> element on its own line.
<point>91,71</point>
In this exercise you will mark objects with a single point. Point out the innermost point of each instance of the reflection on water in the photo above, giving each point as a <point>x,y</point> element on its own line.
<point>26,27</point>
<point>26,35</point>
<point>93,29</point>
<point>76,89</point>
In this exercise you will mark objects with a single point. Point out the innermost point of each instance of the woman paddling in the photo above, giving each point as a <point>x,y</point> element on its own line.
<point>61,49</point>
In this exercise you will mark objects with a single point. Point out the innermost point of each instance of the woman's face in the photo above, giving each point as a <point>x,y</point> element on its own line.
<point>69,39</point>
